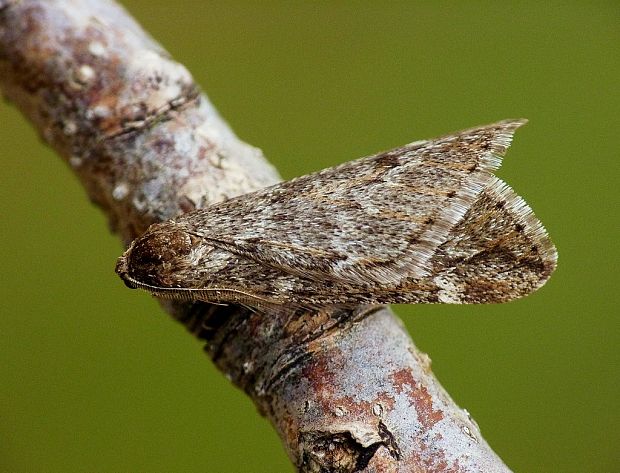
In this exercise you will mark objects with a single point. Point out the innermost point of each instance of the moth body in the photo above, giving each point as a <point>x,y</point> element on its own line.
<point>425,223</point>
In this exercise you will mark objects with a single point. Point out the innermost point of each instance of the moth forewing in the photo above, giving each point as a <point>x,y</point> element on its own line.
<point>427,222</point>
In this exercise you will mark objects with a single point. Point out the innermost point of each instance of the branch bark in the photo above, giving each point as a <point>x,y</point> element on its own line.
<point>346,391</point>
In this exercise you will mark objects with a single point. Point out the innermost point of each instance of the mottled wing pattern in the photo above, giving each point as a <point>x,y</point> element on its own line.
<point>498,252</point>
<point>424,223</point>
<point>334,224</point>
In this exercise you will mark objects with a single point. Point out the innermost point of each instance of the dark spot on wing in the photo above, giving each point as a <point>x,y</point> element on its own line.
<point>388,160</point>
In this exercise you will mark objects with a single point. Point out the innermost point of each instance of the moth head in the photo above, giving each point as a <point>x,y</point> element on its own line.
<point>156,259</point>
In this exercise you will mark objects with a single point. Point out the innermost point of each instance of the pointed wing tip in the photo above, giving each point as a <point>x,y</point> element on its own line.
<point>537,232</point>
<point>532,227</point>
<point>492,141</point>
<point>503,134</point>
<point>513,122</point>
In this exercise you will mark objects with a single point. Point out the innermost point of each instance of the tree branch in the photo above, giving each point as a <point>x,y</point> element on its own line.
<point>347,391</point>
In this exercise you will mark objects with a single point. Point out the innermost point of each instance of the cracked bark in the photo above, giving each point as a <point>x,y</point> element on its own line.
<point>346,391</point>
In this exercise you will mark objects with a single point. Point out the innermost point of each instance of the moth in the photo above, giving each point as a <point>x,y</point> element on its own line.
<point>424,223</point>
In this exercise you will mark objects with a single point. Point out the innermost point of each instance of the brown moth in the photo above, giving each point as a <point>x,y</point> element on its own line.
<point>425,223</point>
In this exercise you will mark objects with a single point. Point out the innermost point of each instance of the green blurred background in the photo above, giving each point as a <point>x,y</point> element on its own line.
<point>94,377</point>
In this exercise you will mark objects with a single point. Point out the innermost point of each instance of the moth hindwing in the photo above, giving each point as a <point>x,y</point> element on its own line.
<point>424,223</point>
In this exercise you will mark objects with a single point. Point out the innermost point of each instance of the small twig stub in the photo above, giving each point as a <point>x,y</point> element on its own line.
<point>424,223</point>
